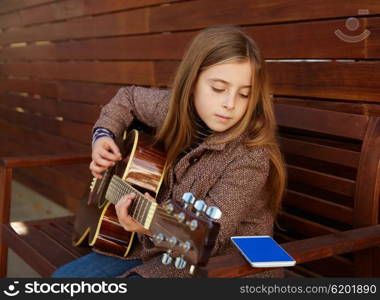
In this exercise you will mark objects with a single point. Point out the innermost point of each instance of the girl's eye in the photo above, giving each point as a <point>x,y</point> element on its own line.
<point>220,91</point>
<point>217,90</point>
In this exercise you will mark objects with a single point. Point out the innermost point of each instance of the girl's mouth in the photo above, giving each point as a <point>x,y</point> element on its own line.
<point>223,117</point>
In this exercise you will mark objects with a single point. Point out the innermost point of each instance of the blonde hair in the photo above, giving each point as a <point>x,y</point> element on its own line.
<point>215,45</point>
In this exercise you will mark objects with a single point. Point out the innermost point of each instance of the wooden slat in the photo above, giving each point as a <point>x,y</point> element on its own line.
<point>351,81</point>
<point>300,272</point>
<point>165,18</point>
<point>62,184</point>
<point>76,131</point>
<point>319,206</point>
<point>316,40</point>
<point>370,109</point>
<point>68,9</point>
<point>292,274</point>
<point>303,226</point>
<point>44,255</point>
<point>51,167</point>
<point>142,73</point>
<point>367,198</point>
<point>320,152</point>
<point>292,41</point>
<point>102,93</point>
<point>367,194</point>
<point>330,267</point>
<point>5,205</point>
<point>11,5</point>
<point>253,12</point>
<point>335,184</point>
<point>337,80</point>
<point>70,91</point>
<point>39,144</point>
<point>120,23</point>
<point>313,269</point>
<point>53,231</point>
<point>161,46</point>
<point>50,192</point>
<point>333,123</point>
<point>65,110</point>
<point>302,251</point>
<point>50,143</point>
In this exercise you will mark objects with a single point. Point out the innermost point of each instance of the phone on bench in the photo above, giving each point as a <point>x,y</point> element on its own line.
<point>263,251</point>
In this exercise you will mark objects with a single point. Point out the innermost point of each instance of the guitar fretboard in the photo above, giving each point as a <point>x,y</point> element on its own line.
<point>140,206</point>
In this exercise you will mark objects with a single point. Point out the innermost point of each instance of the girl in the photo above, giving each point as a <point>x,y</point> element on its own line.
<point>219,131</point>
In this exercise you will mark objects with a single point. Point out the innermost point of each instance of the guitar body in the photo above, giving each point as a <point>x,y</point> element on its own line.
<point>143,168</point>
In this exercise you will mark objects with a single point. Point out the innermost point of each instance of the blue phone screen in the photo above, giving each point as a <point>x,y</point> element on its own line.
<point>261,249</point>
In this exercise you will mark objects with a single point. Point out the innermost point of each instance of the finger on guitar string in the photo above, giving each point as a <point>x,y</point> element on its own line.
<point>121,208</point>
<point>110,144</point>
<point>97,168</point>
<point>101,161</point>
<point>105,154</point>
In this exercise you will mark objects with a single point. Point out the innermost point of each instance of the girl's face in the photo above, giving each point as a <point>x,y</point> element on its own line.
<point>221,94</point>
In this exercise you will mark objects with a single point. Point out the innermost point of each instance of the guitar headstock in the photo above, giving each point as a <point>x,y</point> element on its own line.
<point>187,230</point>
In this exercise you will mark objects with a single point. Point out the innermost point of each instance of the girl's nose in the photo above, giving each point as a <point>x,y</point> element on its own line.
<point>229,102</point>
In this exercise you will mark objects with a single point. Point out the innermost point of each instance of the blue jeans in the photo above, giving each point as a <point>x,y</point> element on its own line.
<point>95,265</point>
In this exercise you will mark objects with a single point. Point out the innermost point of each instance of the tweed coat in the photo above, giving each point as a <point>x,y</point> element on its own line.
<point>228,175</point>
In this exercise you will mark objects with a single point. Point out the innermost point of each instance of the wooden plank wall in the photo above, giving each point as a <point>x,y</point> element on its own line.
<point>61,60</point>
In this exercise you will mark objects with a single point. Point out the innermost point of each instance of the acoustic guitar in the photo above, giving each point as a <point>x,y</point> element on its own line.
<point>186,229</point>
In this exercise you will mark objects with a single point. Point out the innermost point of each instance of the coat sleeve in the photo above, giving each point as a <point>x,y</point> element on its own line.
<point>240,193</point>
<point>148,105</point>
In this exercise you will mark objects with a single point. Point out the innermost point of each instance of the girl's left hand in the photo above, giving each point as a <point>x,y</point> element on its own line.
<point>125,219</point>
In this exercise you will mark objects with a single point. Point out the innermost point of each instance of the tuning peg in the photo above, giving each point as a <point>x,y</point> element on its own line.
<point>166,258</point>
<point>192,269</point>
<point>193,224</point>
<point>180,217</point>
<point>214,212</point>
<point>169,207</point>
<point>158,238</point>
<point>186,246</point>
<point>180,263</point>
<point>172,241</point>
<point>200,206</point>
<point>189,199</point>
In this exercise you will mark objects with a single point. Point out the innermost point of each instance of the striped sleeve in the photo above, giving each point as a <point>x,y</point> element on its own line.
<point>101,132</point>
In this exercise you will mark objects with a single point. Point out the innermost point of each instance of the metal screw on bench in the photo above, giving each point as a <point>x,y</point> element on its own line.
<point>214,212</point>
<point>200,206</point>
<point>189,199</point>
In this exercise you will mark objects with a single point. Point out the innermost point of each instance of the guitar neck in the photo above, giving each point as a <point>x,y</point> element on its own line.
<point>141,209</point>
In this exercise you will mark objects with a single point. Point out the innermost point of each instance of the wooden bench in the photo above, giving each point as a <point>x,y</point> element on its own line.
<point>55,74</point>
<point>330,214</point>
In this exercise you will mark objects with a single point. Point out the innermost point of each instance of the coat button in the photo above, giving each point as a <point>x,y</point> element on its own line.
<point>193,160</point>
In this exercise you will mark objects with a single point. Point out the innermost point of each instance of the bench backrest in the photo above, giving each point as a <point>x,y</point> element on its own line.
<point>333,161</point>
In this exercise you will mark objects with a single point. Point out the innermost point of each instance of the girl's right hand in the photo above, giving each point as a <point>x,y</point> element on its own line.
<point>102,158</point>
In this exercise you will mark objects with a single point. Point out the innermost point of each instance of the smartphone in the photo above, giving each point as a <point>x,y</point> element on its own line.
<point>263,251</point>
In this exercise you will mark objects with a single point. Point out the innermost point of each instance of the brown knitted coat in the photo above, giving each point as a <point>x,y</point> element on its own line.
<point>230,176</point>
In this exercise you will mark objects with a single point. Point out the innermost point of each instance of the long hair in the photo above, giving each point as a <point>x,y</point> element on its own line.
<point>211,46</point>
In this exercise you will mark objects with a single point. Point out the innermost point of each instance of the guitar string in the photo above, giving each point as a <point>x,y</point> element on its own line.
<point>162,213</point>
<point>117,185</point>
<point>125,187</point>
